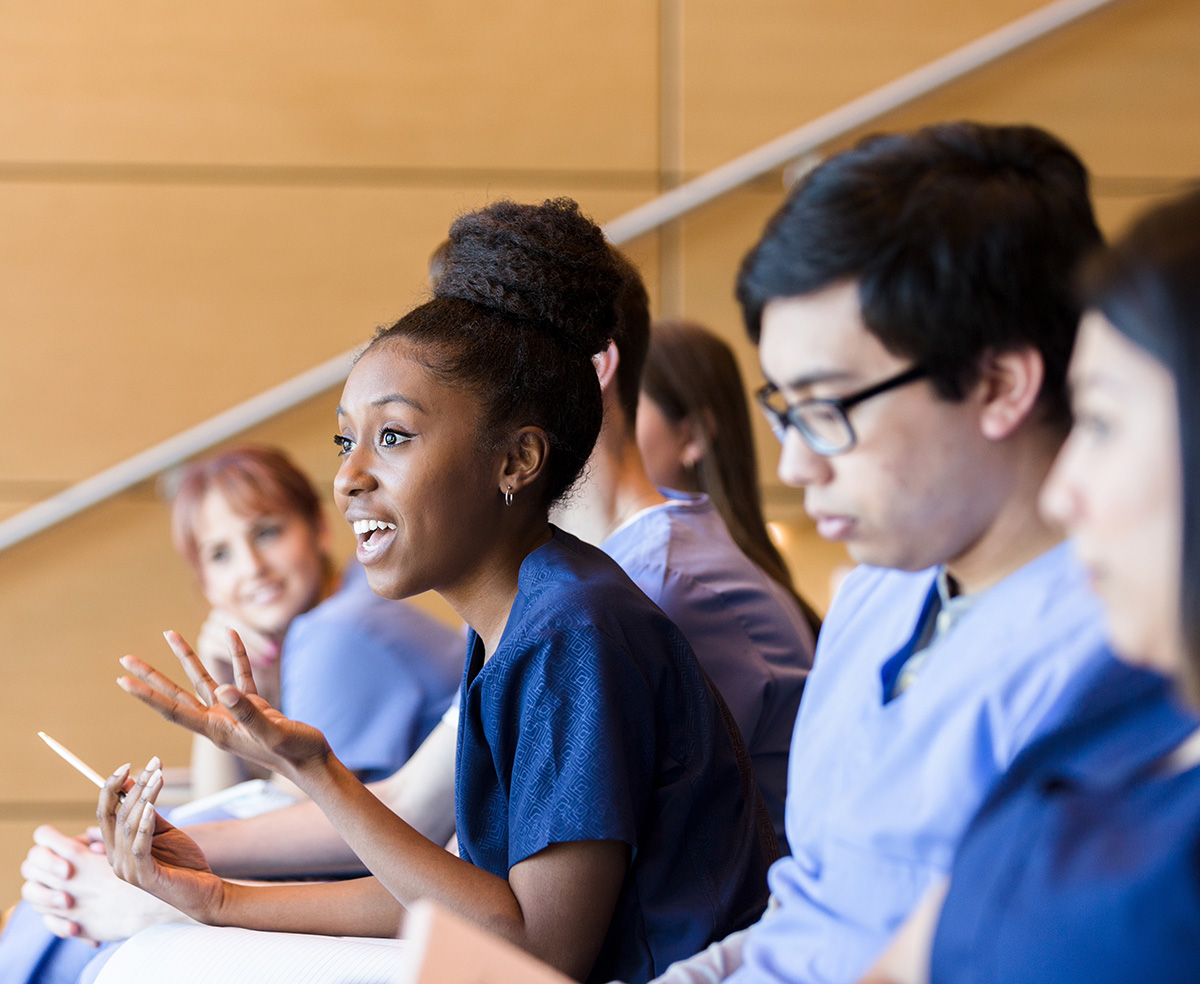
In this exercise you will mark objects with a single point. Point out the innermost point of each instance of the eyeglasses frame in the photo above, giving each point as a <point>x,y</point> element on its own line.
<point>781,420</point>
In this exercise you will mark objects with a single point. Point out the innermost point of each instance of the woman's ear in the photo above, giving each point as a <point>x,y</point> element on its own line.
<point>525,459</point>
<point>1009,385</point>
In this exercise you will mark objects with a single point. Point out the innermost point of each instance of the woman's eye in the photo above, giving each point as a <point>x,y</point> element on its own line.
<point>268,532</point>
<point>390,438</point>
<point>218,555</point>
<point>1093,425</point>
<point>345,444</point>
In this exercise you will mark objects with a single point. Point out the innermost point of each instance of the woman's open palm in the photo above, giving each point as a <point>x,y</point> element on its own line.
<point>234,718</point>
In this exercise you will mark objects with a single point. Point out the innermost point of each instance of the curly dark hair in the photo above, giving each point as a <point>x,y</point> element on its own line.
<point>526,295</point>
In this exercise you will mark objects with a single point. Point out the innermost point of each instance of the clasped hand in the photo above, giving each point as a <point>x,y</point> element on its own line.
<point>235,717</point>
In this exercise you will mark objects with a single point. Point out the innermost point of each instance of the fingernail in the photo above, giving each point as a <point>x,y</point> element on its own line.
<point>227,696</point>
<point>153,764</point>
<point>122,769</point>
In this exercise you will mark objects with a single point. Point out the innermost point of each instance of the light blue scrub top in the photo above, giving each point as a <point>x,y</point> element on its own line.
<point>372,674</point>
<point>880,792</point>
<point>747,632</point>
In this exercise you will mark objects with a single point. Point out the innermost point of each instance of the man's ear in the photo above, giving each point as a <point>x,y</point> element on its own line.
<point>525,460</point>
<point>1010,383</point>
<point>606,366</point>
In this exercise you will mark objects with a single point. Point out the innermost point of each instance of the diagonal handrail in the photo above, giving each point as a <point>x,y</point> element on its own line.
<point>655,213</point>
<point>850,117</point>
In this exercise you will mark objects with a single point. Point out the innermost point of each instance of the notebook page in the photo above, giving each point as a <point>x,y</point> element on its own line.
<point>205,954</point>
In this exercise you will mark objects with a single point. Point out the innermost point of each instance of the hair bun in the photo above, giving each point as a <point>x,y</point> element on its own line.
<point>547,265</point>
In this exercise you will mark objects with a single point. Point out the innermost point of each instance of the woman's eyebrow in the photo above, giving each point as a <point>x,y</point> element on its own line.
<point>390,398</point>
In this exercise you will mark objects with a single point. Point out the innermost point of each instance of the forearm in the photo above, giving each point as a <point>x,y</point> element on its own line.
<point>297,839</point>
<point>407,863</point>
<point>359,907</point>
<point>301,840</point>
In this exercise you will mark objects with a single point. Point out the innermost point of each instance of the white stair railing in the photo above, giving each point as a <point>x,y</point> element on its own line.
<point>654,214</point>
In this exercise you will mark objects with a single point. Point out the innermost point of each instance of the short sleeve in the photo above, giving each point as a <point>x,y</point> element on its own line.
<point>583,745</point>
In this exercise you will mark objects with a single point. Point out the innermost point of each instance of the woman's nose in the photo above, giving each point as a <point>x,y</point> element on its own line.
<point>252,560</point>
<point>352,477</point>
<point>1058,501</point>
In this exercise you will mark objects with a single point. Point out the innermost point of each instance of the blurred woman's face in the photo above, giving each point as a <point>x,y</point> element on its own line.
<point>1117,489</point>
<point>669,450</point>
<point>262,569</point>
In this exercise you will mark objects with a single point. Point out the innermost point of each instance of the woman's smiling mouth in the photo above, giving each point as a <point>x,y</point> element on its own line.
<point>373,535</point>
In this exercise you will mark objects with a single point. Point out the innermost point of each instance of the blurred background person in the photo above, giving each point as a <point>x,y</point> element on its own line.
<point>693,430</point>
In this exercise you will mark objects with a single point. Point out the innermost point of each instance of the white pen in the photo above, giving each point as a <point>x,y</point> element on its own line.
<point>72,759</point>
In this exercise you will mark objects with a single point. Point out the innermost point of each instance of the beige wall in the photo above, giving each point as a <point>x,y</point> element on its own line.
<point>196,204</point>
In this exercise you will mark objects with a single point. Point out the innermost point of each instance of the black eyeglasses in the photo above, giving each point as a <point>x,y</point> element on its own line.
<point>823,423</point>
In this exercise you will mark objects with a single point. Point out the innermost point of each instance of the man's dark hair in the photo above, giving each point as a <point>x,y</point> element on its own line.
<point>963,239</point>
<point>631,333</point>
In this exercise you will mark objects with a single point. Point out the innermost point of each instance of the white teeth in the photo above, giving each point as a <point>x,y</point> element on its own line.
<point>367,525</point>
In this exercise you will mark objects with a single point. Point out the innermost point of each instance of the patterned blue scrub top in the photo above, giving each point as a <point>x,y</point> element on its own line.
<point>593,721</point>
<point>1084,864</point>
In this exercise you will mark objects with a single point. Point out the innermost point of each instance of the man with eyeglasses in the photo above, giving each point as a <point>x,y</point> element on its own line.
<point>912,302</point>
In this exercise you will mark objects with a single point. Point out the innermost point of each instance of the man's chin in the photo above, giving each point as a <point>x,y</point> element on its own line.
<point>875,554</point>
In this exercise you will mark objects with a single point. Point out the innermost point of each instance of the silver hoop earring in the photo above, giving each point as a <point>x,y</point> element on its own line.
<point>508,496</point>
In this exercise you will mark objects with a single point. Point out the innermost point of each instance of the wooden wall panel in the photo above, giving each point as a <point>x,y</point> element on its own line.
<point>1123,86</point>
<point>457,84</point>
<point>74,601</point>
<point>143,310</point>
<point>779,63</point>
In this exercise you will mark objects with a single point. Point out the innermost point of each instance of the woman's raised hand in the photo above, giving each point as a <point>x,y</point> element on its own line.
<point>234,718</point>
<point>150,853</point>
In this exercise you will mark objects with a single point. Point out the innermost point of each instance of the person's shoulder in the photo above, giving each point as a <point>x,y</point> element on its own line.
<point>354,615</point>
<point>571,591</point>
<point>1054,587</point>
<point>643,540</point>
<point>685,537</point>
<point>567,575</point>
<point>864,586</point>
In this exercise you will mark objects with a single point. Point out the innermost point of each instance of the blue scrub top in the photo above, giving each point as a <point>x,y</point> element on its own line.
<point>593,721</point>
<point>1084,864</point>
